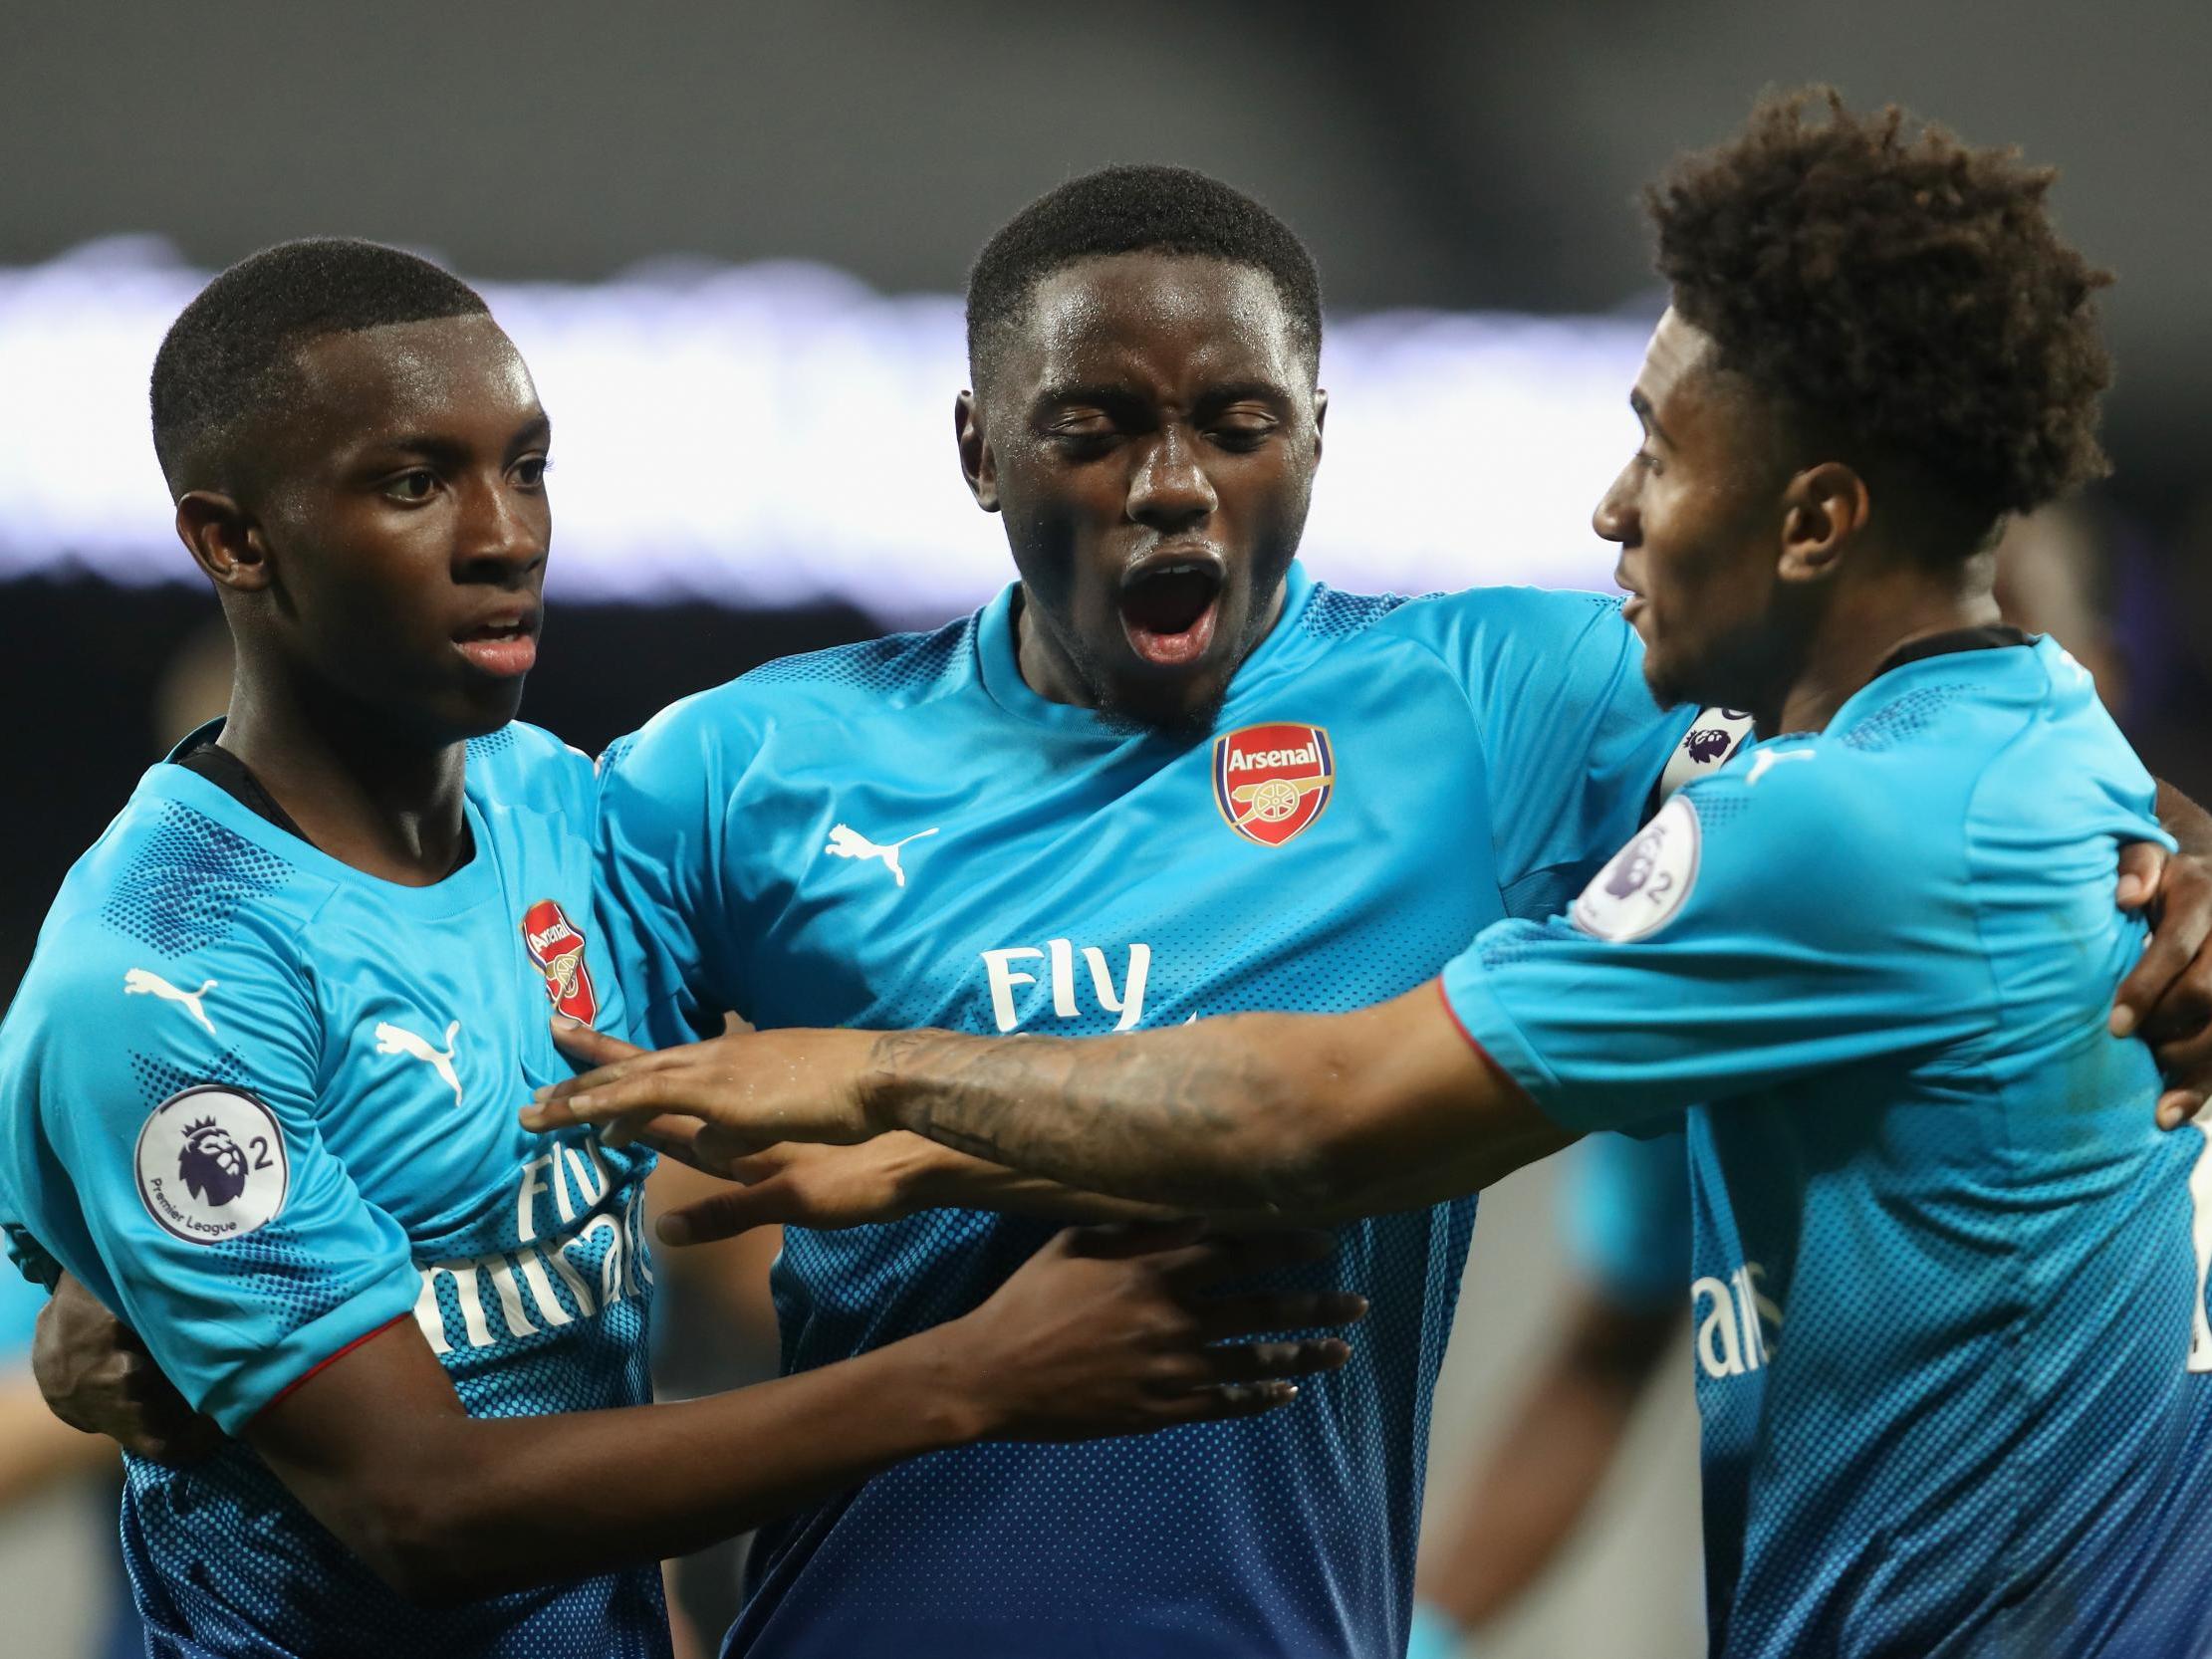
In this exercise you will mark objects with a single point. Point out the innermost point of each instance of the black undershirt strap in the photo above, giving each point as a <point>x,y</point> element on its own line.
<point>230,775</point>
<point>1992,638</point>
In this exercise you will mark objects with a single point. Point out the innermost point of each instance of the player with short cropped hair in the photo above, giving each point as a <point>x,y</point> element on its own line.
<point>1957,1401</point>
<point>257,1091</point>
<point>1167,773</point>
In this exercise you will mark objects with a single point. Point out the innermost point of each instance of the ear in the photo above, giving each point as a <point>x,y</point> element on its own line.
<point>1321,416</point>
<point>224,540</point>
<point>1825,507</point>
<point>977,464</point>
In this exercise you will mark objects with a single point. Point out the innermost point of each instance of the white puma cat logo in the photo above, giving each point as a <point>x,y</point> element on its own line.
<point>847,842</point>
<point>144,982</point>
<point>1768,759</point>
<point>398,1040</point>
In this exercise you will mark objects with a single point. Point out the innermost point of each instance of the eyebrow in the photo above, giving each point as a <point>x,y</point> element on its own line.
<point>1643,406</point>
<point>1112,397</point>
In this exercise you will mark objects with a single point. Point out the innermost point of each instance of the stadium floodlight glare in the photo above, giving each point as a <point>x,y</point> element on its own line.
<point>776,433</point>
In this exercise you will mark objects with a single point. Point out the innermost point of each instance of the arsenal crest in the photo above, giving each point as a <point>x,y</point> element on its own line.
<point>1271,782</point>
<point>558,950</point>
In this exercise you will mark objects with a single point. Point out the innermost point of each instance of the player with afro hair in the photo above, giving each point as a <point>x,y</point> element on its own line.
<point>1900,294</point>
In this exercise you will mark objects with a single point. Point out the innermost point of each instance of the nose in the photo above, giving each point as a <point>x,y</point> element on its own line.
<point>502,534</point>
<point>1615,518</point>
<point>1170,490</point>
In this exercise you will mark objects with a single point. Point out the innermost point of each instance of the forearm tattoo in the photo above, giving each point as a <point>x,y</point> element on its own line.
<point>1168,1117</point>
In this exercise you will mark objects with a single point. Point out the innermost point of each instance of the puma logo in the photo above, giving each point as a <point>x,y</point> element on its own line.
<point>847,842</point>
<point>398,1040</point>
<point>1768,759</point>
<point>144,982</point>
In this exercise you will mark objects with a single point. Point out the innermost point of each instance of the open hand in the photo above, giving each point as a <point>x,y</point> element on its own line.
<point>1113,1330</point>
<point>714,1102</point>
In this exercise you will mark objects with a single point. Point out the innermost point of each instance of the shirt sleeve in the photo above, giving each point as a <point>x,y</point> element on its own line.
<point>661,815</point>
<point>1626,1217</point>
<point>1572,740</point>
<point>1759,929</point>
<point>186,1182</point>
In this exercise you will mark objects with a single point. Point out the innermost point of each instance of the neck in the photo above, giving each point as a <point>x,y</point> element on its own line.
<point>1865,626</point>
<point>1043,667</point>
<point>389,804</point>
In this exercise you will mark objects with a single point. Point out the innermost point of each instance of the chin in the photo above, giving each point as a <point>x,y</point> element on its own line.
<point>1669,687</point>
<point>1185,711</point>
<point>481,716</point>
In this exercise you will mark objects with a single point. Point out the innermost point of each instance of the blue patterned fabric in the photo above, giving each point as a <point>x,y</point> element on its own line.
<point>1057,872</point>
<point>264,1105</point>
<point>1949,1277</point>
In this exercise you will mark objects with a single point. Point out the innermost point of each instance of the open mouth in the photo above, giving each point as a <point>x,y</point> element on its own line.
<point>506,647</point>
<point>1168,610</point>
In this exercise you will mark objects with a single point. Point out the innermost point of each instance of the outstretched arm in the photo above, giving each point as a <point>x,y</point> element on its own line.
<point>888,1178</point>
<point>893,1176</point>
<point>1102,1332</point>
<point>1297,1115</point>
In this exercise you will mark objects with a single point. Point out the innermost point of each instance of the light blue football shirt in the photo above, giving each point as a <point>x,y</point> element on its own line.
<point>264,1105</point>
<point>1948,1309</point>
<point>902,834</point>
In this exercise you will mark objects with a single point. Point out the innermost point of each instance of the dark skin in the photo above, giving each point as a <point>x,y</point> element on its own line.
<point>352,559</point>
<point>1036,483</point>
<point>395,509</point>
<point>1772,585</point>
<point>1542,1472</point>
<point>1153,414</point>
<point>1148,410</point>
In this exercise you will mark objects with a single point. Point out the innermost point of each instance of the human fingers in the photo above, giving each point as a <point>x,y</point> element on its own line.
<point>1223,1319</point>
<point>2183,1012</point>
<point>2180,1105</point>
<point>609,1070</point>
<point>1238,1256</point>
<point>1118,1241</point>
<point>2187,1064</point>
<point>2169,991</point>
<point>1215,1405</point>
<point>193,1440</point>
<point>727,1213</point>
<point>2141,863</point>
<point>587,1045</point>
<point>649,1084</point>
<point>171,1432</point>
<point>1269,1362</point>
<point>670,1135</point>
<point>2165,957</point>
<point>144,1414</point>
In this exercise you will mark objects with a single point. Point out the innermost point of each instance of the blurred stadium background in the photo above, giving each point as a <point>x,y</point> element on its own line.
<point>730,241</point>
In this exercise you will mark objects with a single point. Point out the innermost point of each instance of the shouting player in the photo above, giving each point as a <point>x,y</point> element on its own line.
<point>1953,1371</point>
<point>258,1089</point>
<point>1165,774</point>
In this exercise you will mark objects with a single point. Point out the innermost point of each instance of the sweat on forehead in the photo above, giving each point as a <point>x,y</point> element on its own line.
<point>1138,314</point>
